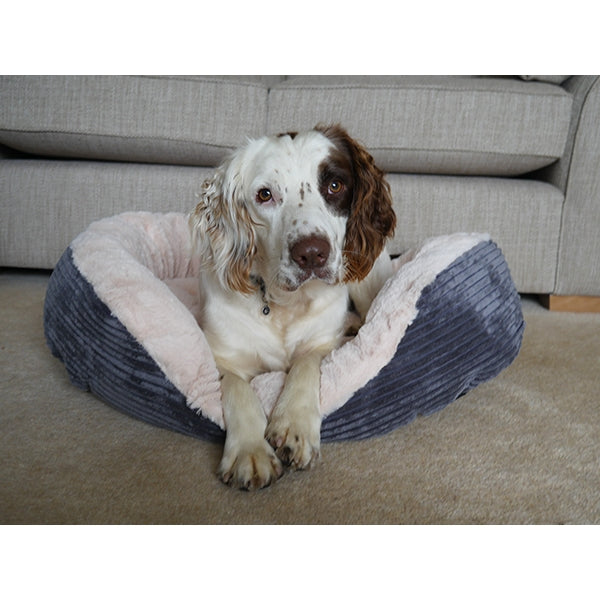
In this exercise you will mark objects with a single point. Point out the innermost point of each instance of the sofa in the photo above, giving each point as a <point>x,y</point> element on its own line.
<point>515,156</point>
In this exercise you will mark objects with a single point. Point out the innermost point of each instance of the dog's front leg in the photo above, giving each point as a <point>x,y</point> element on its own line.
<point>248,460</point>
<point>294,429</point>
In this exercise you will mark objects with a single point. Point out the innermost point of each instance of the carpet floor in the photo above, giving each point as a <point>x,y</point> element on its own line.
<point>523,448</point>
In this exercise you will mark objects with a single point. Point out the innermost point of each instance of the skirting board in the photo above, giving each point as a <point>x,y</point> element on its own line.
<point>582,304</point>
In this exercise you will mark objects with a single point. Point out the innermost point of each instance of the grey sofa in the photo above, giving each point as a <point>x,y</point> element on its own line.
<point>518,157</point>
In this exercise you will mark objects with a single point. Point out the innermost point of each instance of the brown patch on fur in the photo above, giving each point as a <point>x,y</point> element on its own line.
<point>338,167</point>
<point>371,218</point>
<point>230,232</point>
<point>238,275</point>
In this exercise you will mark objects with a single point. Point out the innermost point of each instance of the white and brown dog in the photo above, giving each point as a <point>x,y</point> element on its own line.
<point>288,228</point>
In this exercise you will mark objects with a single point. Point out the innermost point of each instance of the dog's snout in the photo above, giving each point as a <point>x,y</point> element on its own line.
<point>310,252</point>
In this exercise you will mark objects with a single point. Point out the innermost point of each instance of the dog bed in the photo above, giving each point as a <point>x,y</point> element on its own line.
<point>121,313</point>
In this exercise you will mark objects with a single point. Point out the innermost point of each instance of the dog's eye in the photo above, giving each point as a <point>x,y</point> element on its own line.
<point>335,186</point>
<point>264,195</point>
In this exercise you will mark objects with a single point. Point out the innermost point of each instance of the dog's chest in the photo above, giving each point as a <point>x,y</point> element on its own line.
<point>293,330</point>
<point>247,341</point>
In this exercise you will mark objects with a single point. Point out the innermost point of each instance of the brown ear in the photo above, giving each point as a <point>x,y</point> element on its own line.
<point>223,234</point>
<point>372,219</point>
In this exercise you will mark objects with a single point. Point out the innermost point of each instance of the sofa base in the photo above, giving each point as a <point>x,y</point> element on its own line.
<point>581,304</point>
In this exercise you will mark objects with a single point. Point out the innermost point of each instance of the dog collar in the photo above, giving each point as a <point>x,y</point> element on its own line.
<point>260,282</point>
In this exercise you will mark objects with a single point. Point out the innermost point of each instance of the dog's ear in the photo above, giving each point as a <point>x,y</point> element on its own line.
<point>372,219</point>
<point>223,231</point>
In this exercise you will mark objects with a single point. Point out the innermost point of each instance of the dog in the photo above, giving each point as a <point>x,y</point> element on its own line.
<point>287,230</point>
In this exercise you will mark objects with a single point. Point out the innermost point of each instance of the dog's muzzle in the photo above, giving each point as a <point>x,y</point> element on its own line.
<point>311,255</point>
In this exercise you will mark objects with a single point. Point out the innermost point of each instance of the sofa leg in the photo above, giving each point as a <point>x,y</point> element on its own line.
<point>583,304</point>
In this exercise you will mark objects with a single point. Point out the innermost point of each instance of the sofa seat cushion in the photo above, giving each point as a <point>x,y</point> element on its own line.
<point>523,216</point>
<point>171,120</point>
<point>434,124</point>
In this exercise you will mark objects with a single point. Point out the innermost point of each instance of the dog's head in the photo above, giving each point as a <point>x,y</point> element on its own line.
<point>293,208</point>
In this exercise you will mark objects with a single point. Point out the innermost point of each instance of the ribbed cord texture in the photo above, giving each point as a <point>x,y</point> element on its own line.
<point>468,329</point>
<point>101,356</point>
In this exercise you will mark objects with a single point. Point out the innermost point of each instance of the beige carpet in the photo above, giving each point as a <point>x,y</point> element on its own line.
<point>523,448</point>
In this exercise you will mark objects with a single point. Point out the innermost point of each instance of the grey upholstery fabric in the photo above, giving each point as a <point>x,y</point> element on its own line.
<point>558,79</point>
<point>451,125</point>
<point>173,120</point>
<point>522,216</point>
<point>579,87</point>
<point>443,125</point>
<point>578,270</point>
<point>59,199</point>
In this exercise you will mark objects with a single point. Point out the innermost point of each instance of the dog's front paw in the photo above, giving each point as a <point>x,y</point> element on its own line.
<point>250,469</point>
<point>296,441</point>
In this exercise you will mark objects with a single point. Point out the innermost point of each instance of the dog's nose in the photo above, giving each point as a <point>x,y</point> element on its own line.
<point>310,252</point>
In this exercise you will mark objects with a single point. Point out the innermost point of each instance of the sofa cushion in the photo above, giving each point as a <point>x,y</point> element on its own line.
<point>434,124</point>
<point>44,204</point>
<point>173,120</point>
<point>523,216</point>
